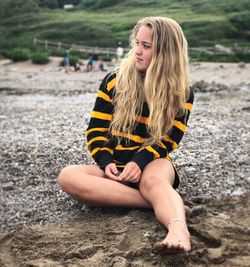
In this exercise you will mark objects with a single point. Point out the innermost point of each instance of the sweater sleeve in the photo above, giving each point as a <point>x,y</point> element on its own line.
<point>169,141</point>
<point>101,116</point>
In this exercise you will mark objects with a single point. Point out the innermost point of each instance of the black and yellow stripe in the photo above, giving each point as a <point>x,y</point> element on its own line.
<point>103,145</point>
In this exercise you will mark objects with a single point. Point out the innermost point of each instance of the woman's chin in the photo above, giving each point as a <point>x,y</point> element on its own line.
<point>140,68</point>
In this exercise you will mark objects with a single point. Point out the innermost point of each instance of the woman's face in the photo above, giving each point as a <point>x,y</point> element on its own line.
<point>143,51</point>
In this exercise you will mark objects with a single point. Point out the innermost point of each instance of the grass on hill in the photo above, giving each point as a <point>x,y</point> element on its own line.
<point>103,23</point>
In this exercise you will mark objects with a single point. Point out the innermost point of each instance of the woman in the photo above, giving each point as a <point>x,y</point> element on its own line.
<point>140,115</point>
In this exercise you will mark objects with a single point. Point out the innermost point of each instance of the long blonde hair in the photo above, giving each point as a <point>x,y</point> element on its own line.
<point>164,86</point>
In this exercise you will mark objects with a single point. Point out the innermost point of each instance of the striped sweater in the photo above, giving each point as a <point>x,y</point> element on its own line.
<point>103,146</point>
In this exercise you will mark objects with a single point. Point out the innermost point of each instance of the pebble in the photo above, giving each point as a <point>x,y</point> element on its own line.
<point>241,65</point>
<point>120,262</point>
<point>197,210</point>
<point>238,192</point>
<point>8,186</point>
<point>203,86</point>
<point>215,255</point>
<point>201,199</point>
<point>222,216</point>
<point>146,234</point>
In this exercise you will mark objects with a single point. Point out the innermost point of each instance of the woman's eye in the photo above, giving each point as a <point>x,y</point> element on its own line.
<point>146,46</point>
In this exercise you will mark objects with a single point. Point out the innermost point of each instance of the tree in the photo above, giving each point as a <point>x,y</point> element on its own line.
<point>98,4</point>
<point>15,7</point>
<point>48,3</point>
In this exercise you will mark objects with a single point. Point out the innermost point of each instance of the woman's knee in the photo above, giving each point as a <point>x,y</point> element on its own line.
<point>64,178</point>
<point>159,172</point>
<point>69,177</point>
<point>151,178</point>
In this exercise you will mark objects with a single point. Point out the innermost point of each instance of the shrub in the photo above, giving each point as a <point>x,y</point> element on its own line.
<point>85,55</point>
<point>49,4</point>
<point>241,21</point>
<point>243,57</point>
<point>72,61</point>
<point>75,53</point>
<point>40,58</point>
<point>57,52</point>
<point>18,54</point>
<point>15,7</point>
<point>203,56</point>
<point>107,57</point>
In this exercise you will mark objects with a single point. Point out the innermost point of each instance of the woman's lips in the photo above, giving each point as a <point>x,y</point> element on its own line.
<point>139,59</point>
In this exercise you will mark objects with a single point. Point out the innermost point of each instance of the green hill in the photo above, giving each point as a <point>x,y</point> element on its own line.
<point>105,22</point>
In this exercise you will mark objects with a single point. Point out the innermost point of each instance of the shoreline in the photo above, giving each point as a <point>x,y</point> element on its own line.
<point>22,74</point>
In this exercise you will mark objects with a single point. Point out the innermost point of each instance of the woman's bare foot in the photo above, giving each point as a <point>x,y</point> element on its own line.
<point>177,239</point>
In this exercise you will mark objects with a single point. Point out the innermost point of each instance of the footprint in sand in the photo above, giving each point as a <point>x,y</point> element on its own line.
<point>83,252</point>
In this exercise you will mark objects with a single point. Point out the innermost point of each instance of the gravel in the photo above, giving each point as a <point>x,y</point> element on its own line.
<point>43,131</point>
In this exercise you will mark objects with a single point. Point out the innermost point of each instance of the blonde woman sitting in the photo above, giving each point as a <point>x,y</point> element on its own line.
<point>140,115</point>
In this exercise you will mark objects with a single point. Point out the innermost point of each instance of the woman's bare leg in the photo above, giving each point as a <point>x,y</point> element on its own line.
<point>88,184</point>
<point>156,187</point>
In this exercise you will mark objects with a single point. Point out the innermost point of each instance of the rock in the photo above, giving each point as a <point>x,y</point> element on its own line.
<point>246,108</point>
<point>120,262</point>
<point>43,263</point>
<point>146,234</point>
<point>8,186</point>
<point>201,199</point>
<point>222,50</point>
<point>4,62</point>
<point>222,216</point>
<point>204,87</point>
<point>242,65</point>
<point>215,255</point>
<point>138,263</point>
<point>82,252</point>
<point>85,208</point>
<point>197,210</point>
<point>238,192</point>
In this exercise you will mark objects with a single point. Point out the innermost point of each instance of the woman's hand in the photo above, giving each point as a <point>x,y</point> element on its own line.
<point>111,172</point>
<point>131,173</point>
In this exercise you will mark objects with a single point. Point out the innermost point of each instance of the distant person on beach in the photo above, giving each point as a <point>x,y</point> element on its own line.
<point>95,60</point>
<point>93,63</point>
<point>66,60</point>
<point>77,67</point>
<point>90,63</point>
<point>119,51</point>
<point>139,117</point>
<point>101,66</point>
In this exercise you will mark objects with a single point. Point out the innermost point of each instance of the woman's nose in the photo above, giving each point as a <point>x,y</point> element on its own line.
<point>138,50</point>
